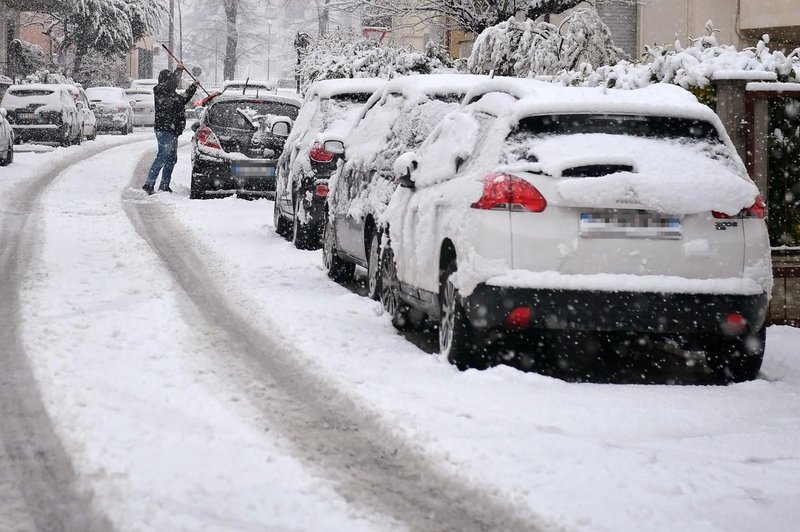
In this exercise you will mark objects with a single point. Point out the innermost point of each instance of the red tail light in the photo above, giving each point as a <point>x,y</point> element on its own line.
<point>756,210</point>
<point>519,317</point>
<point>319,154</point>
<point>321,190</point>
<point>207,138</point>
<point>505,192</point>
<point>734,324</point>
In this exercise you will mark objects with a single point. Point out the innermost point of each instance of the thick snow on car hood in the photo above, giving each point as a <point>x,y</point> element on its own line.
<point>669,175</point>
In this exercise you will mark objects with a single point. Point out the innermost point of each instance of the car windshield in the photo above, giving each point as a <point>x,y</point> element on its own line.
<point>520,144</point>
<point>224,113</point>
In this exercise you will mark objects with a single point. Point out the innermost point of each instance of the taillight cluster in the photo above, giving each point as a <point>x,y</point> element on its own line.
<point>319,154</point>
<point>506,192</point>
<point>321,190</point>
<point>207,138</point>
<point>756,210</point>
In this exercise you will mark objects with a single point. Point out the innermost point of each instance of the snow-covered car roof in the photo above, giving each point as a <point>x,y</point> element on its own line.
<point>659,99</point>
<point>518,88</point>
<point>147,82</point>
<point>266,96</point>
<point>333,87</point>
<point>250,83</point>
<point>434,84</point>
<point>106,94</point>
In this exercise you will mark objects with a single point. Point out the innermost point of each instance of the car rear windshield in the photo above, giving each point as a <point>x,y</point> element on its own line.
<point>105,95</point>
<point>520,144</point>
<point>224,113</point>
<point>635,125</point>
<point>28,93</point>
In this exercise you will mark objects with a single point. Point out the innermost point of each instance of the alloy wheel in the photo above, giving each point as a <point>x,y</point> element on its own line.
<point>447,325</point>
<point>373,266</point>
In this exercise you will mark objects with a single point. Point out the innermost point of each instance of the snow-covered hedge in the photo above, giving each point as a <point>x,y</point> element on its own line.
<point>528,48</point>
<point>345,54</point>
<point>691,67</point>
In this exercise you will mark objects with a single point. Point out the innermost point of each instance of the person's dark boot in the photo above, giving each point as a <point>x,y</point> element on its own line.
<point>147,188</point>
<point>165,189</point>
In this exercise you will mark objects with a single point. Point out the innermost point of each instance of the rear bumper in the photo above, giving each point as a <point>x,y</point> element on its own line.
<point>642,312</point>
<point>43,132</point>
<point>214,177</point>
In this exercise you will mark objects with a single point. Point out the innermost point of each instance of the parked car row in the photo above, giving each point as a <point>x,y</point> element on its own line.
<point>507,211</point>
<point>67,114</point>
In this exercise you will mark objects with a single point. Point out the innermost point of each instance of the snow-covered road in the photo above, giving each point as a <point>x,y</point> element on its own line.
<point>201,373</point>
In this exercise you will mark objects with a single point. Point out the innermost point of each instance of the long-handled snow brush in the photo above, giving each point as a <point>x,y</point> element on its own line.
<point>190,74</point>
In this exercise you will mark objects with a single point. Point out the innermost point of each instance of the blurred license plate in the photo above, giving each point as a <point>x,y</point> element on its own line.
<point>629,224</point>
<point>24,116</point>
<point>253,169</point>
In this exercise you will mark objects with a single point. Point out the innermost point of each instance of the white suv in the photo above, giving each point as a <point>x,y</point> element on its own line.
<point>576,210</point>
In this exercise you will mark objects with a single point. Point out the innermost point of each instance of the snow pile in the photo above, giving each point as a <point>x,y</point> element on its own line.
<point>527,48</point>
<point>345,54</point>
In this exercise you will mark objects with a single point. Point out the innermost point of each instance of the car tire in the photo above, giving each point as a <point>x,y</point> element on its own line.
<point>389,293</point>
<point>374,266</point>
<point>736,359</point>
<point>281,225</point>
<point>337,268</point>
<point>196,190</point>
<point>302,235</point>
<point>66,140</point>
<point>79,138</point>
<point>457,339</point>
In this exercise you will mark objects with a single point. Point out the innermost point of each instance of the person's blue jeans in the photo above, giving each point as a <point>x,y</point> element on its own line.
<point>166,158</point>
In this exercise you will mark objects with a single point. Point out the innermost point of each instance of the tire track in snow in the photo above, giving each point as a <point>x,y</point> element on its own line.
<point>370,467</point>
<point>38,486</point>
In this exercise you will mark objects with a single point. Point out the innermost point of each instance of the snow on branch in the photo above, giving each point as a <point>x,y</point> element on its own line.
<point>346,54</point>
<point>528,48</point>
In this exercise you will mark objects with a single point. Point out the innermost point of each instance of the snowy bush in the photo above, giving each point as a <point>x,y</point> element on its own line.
<point>691,67</point>
<point>528,48</point>
<point>345,54</point>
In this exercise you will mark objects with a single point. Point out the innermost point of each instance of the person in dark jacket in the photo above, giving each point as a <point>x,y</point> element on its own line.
<point>170,122</point>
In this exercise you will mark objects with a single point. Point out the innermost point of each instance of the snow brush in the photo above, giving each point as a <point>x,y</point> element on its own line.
<point>187,71</point>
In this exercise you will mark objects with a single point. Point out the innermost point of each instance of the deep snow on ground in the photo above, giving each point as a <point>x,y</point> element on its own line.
<point>167,443</point>
<point>135,397</point>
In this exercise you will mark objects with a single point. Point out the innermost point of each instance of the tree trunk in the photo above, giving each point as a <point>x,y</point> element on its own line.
<point>323,15</point>
<point>231,12</point>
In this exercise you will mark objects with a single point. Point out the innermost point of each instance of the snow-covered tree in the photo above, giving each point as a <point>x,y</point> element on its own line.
<point>99,26</point>
<point>528,48</point>
<point>690,66</point>
<point>472,15</point>
<point>345,54</point>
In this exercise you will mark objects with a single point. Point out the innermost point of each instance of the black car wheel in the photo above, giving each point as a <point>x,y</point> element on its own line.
<point>196,190</point>
<point>736,359</point>
<point>390,292</point>
<point>374,266</point>
<point>338,269</point>
<point>281,225</point>
<point>302,235</point>
<point>457,339</point>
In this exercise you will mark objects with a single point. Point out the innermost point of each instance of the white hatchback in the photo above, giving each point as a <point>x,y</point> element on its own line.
<point>581,211</point>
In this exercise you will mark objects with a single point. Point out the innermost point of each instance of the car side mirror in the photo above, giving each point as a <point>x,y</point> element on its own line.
<point>404,166</point>
<point>195,126</point>
<point>281,128</point>
<point>198,111</point>
<point>79,105</point>
<point>336,147</point>
<point>92,106</point>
